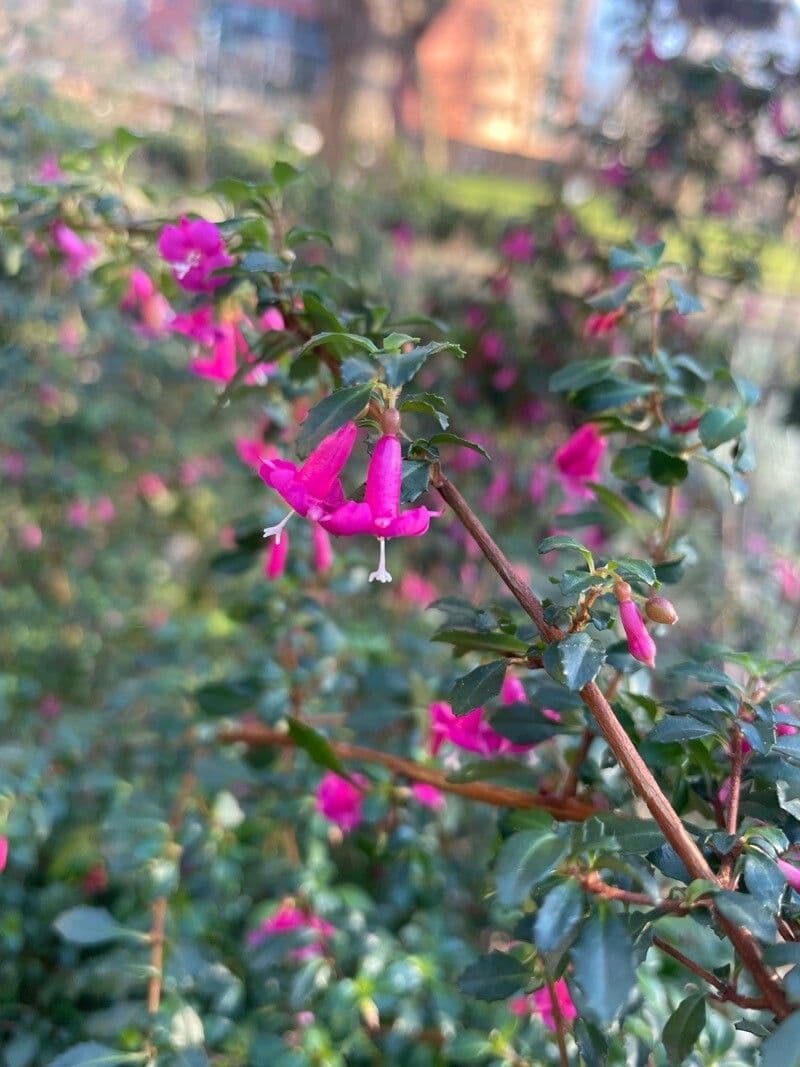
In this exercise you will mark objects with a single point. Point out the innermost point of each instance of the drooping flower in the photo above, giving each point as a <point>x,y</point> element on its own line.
<point>289,917</point>
<point>471,732</point>
<point>323,551</point>
<point>788,574</point>
<point>513,691</point>
<point>150,306</point>
<point>579,458</point>
<point>640,643</point>
<point>429,796</point>
<point>541,1004</point>
<point>272,319</point>
<point>340,800</point>
<point>379,515</point>
<point>196,250</point>
<point>790,873</point>
<point>313,489</point>
<point>600,323</point>
<point>78,253</point>
<point>3,852</point>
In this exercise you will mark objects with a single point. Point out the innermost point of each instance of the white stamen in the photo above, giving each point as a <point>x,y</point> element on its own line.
<point>277,530</point>
<point>381,574</point>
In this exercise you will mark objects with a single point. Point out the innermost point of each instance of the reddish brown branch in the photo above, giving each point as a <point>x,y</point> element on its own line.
<point>732,811</point>
<point>157,933</point>
<point>567,810</point>
<point>593,883</point>
<point>724,991</point>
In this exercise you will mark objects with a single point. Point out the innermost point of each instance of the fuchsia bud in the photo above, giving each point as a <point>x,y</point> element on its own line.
<point>659,609</point>
<point>323,553</point>
<point>579,459</point>
<point>275,563</point>
<point>640,644</point>
<point>791,874</point>
<point>3,853</point>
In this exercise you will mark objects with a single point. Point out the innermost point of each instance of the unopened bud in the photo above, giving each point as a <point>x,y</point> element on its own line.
<point>622,591</point>
<point>390,422</point>
<point>659,609</point>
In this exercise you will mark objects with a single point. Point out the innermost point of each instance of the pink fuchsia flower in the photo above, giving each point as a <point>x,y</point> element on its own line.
<point>600,323</point>
<point>3,852</point>
<point>492,345</point>
<point>518,245</point>
<point>785,729</point>
<point>340,800</point>
<point>275,562</point>
<point>379,515</point>
<point>254,451</point>
<point>150,306</point>
<point>541,1004</point>
<point>289,917</point>
<point>513,691</point>
<point>429,796</point>
<point>79,514</point>
<point>198,325</point>
<point>497,491</point>
<point>78,252</point>
<point>504,378</point>
<point>151,485</point>
<point>475,317</point>
<point>788,575</point>
<point>272,319</point>
<point>323,550</point>
<point>791,874</point>
<point>50,170</point>
<point>196,250</point>
<point>471,732</point>
<point>579,459</point>
<point>539,483</point>
<point>640,644</point>
<point>685,427</point>
<point>314,488</point>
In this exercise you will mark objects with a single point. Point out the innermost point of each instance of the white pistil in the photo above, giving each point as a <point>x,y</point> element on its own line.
<point>277,530</point>
<point>381,574</point>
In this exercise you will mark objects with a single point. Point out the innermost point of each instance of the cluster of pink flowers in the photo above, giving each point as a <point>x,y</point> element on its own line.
<point>314,491</point>
<point>78,254</point>
<point>340,800</point>
<point>289,917</point>
<point>541,1004</point>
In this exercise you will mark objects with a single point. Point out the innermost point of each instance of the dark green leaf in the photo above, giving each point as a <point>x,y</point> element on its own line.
<point>744,910</point>
<point>558,917</point>
<point>782,1049</point>
<point>632,464</point>
<point>636,570</point>
<point>575,661</point>
<point>685,302</point>
<point>562,542</point>
<point>400,367</point>
<point>481,684</point>
<point>523,724</point>
<point>610,393</point>
<point>603,965</point>
<point>284,173</point>
<point>454,439</point>
<point>356,369</point>
<point>611,299</point>
<point>316,746</point>
<point>719,425</point>
<point>416,475</point>
<point>92,1054</point>
<point>580,374</point>
<point>428,404</point>
<point>614,504</point>
<point>683,1028</point>
<point>89,926</point>
<point>666,469</point>
<point>524,860</point>
<point>764,880</point>
<point>331,413</point>
<point>228,697</point>
<point>495,976</point>
<point>678,728</point>
<point>467,640</point>
<point>262,262</point>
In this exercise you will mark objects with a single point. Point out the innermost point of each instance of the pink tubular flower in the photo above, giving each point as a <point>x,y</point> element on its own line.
<point>3,853</point>
<point>788,575</point>
<point>314,488</point>
<point>471,732</point>
<point>579,459</point>
<point>600,323</point>
<point>196,250</point>
<point>640,644</point>
<point>340,801</point>
<point>289,917</point>
<point>151,307</point>
<point>541,1003</point>
<point>275,562</point>
<point>429,796</point>
<point>518,245</point>
<point>380,515</point>
<point>77,251</point>
<point>254,451</point>
<point>323,552</point>
<point>272,319</point>
<point>791,874</point>
<point>513,691</point>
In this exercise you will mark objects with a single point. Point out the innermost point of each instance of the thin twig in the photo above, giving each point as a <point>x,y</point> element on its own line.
<point>725,991</point>
<point>732,811</point>
<point>157,931</point>
<point>661,549</point>
<point>593,883</point>
<point>567,810</point>
<point>558,1019</point>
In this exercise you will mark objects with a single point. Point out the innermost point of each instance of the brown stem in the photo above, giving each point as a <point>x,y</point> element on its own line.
<point>732,811</point>
<point>571,781</point>
<point>558,1019</point>
<point>567,810</point>
<point>661,549</point>
<point>725,991</point>
<point>626,753</point>
<point>593,883</point>
<point>157,929</point>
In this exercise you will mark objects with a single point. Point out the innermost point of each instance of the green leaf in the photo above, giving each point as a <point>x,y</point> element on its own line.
<point>469,640</point>
<point>229,697</point>
<point>603,965</point>
<point>262,263</point>
<point>92,1054</point>
<point>400,367</point>
<point>679,728</point>
<point>575,661</point>
<point>611,299</point>
<point>764,880</point>
<point>495,976</point>
<point>746,911</point>
<point>636,570</point>
<point>650,251</point>
<point>613,832</point>
<point>782,1049</point>
<point>393,342</point>
<point>632,464</point>
<point>284,173</point>
<point>525,859</point>
<point>480,685</point>
<point>454,439</point>
<point>416,476</point>
<point>614,504</point>
<point>331,413</point>
<point>354,370</point>
<point>623,259</point>
<point>337,336</point>
<point>683,1027</point>
<point>719,425</point>
<point>564,543</point>
<point>89,926</point>
<point>316,746</point>
<point>558,917</point>
<point>685,302</point>
<point>428,404</point>
<point>580,374</point>
<point>666,469</point>
<point>610,393</point>
<point>523,725</point>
